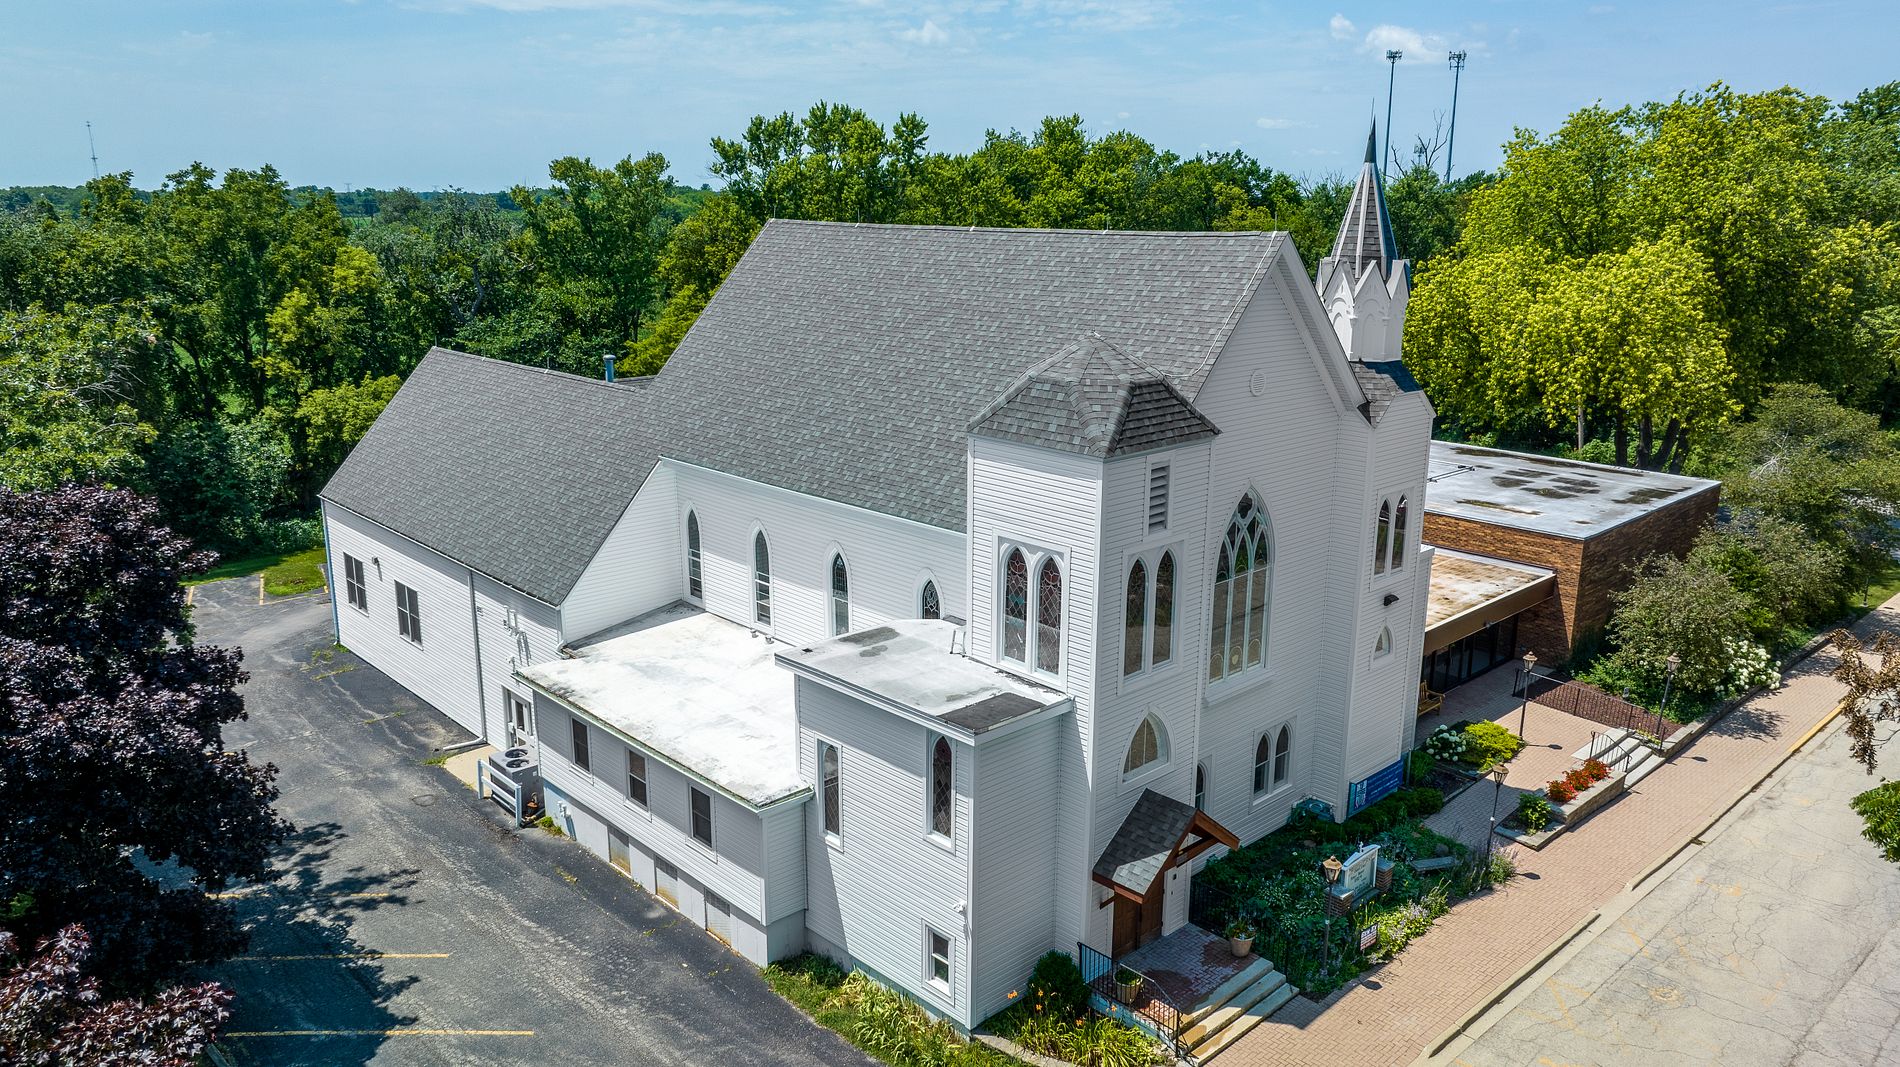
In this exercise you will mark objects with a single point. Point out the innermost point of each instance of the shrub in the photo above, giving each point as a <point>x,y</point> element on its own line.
<point>1533,812</point>
<point>1419,765</point>
<point>1503,865</point>
<point>1490,744</point>
<point>1879,807</point>
<point>1448,743</point>
<point>1057,982</point>
<point>1596,769</point>
<point>1560,791</point>
<point>1579,780</point>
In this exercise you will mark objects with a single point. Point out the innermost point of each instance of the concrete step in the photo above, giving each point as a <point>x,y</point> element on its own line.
<point>1650,763</point>
<point>1602,743</point>
<point>1237,1029</point>
<point>1256,969</point>
<point>1236,1008</point>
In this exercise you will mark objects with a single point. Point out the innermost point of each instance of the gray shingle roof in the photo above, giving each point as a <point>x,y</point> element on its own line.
<point>847,362</point>
<point>507,469</point>
<point>1382,382</point>
<point>1365,237</point>
<point>1146,838</point>
<point>1093,398</point>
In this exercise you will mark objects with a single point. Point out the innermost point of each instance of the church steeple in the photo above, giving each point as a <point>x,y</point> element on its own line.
<point>1364,284</point>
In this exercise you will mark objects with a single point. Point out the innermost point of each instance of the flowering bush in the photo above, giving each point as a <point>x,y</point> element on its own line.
<point>1596,769</point>
<point>1560,791</point>
<point>1749,667</point>
<point>1447,743</point>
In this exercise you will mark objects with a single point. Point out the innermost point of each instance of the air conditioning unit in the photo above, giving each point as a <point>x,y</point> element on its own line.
<point>514,782</point>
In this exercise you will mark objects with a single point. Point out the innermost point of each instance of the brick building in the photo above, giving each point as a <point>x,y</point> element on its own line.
<point>1537,546</point>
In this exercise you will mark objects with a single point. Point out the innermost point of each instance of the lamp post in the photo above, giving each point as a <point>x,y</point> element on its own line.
<point>1457,70</point>
<point>1523,710</point>
<point>1497,789</point>
<point>1674,663</point>
<point>1331,867</point>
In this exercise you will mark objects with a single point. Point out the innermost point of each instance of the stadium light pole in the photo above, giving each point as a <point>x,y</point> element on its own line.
<point>1451,139</point>
<point>1392,57</point>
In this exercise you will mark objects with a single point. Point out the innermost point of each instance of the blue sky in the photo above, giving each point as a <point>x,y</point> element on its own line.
<point>480,94</point>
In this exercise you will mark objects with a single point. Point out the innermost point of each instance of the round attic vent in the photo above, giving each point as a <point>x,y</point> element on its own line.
<point>1258,384</point>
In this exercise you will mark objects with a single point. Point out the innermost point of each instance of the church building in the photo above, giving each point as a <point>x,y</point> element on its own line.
<point>949,597</point>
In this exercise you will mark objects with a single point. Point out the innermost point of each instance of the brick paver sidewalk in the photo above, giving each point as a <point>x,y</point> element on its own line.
<point>1392,1013</point>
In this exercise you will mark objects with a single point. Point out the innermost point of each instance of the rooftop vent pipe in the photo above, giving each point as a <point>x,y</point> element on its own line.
<point>608,360</point>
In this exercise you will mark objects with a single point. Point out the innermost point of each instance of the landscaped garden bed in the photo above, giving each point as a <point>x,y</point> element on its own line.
<point>1276,887</point>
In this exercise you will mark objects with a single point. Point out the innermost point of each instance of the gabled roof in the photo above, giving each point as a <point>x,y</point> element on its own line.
<point>847,362</point>
<point>1149,839</point>
<point>514,471</point>
<point>1093,398</point>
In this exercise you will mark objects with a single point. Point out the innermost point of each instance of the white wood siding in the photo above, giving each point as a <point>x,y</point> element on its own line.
<point>1013,894</point>
<point>1052,501</point>
<point>441,670</point>
<point>875,891</point>
<point>640,566</point>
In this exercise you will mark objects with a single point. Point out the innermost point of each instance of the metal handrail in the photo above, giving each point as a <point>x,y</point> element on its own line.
<point>1156,1005</point>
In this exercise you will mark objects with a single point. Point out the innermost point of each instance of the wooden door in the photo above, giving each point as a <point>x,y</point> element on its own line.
<point>1128,922</point>
<point>1151,910</point>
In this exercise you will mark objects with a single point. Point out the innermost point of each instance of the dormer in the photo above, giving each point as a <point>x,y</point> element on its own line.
<point>1363,284</point>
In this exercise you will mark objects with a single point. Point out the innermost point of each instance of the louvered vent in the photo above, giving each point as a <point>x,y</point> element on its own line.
<point>1158,499</point>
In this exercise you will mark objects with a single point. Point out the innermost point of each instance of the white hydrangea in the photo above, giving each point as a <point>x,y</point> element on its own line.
<point>1447,744</point>
<point>1750,666</point>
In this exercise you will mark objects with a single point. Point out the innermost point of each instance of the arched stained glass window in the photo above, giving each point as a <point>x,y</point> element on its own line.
<point>928,605</point>
<point>1135,622</point>
<point>1282,754</point>
<point>761,579</point>
<point>1398,536</point>
<point>1016,607</point>
<point>1164,611</point>
<point>1148,746</point>
<point>694,588</point>
<point>942,787</point>
<point>1382,543</point>
<point>1049,617</point>
<point>1262,763</point>
<point>1238,637</point>
<point>840,597</point>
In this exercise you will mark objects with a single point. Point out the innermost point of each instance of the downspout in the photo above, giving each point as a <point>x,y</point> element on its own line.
<point>475,628</point>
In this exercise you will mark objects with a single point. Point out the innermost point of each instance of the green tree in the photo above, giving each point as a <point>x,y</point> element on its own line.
<point>1686,608</point>
<point>332,420</point>
<point>68,388</point>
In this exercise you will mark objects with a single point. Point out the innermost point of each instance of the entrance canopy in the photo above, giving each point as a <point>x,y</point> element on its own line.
<point>1471,592</point>
<point>1158,833</point>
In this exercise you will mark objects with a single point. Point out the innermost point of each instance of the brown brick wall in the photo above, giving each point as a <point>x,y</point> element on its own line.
<point>1588,572</point>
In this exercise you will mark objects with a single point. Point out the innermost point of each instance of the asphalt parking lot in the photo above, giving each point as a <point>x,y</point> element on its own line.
<point>413,926</point>
<point>1777,942</point>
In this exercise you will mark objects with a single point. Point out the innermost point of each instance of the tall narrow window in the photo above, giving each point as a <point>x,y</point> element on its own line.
<point>1158,498</point>
<point>1016,607</point>
<point>636,778</point>
<point>1282,754</point>
<point>1382,543</point>
<point>408,613</point>
<point>581,757</point>
<point>1148,746</point>
<point>1398,536</point>
<point>761,579</point>
<point>828,782</point>
<point>1385,642</point>
<point>1049,617</point>
<point>694,587</point>
<point>1200,787</point>
<point>1164,611</point>
<point>1135,621</point>
<point>942,787</point>
<point>939,960</point>
<point>928,605</point>
<point>840,597</point>
<point>702,816</point>
<point>353,584</point>
<point>1262,763</point>
<point>1238,637</point>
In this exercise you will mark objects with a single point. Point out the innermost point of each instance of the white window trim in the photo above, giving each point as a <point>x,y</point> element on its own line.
<point>1150,557</point>
<point>947,984</point>
<point>945,842</point>
<point>408,604</point>
<point>686,573</point>
<point>771,580</point>
<point>833,839</point>
<point>836,551</point>
<point>1034,558</point>
<point>1235,683</point>
<point>350,585</point>
<point>1273,789</point>
<point>1145,775</point>
<point>646,777</point>
<point>712,821</point>
<point>925,577</point>
<point>1390,642</point>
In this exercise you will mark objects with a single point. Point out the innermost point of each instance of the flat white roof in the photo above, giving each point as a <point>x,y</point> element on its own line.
<point>1545,494</point>
<point>918,665</point>
<point>700,692</point>
<point>1462,582</point>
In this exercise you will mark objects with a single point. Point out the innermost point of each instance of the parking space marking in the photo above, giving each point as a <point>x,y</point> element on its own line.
<point>406,1032</point>
<point>347,956</point>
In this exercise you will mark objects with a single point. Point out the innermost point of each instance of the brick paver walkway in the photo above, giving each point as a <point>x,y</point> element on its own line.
<point>1392,1013</point>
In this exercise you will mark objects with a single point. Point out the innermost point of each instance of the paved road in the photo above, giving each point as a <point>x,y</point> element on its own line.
<point>1778,942</point>
<point>486,946</point>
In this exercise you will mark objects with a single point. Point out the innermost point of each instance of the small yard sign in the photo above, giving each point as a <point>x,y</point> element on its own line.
<point>1362,869</point>
<point>1368,937</point>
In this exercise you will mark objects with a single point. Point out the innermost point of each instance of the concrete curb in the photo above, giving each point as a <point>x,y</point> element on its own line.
<point>1510,984</point>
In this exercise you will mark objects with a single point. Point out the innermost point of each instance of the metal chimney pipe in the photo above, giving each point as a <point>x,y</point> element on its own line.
<point>608,360</point>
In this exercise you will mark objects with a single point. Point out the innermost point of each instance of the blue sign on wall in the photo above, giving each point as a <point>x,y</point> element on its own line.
<point>1379,785</point>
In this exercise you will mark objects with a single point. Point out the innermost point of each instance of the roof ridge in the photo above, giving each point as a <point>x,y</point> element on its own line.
<point>1051,231</point>
<point>618,388</point>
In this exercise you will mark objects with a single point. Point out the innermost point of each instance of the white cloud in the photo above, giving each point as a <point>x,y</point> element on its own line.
<point>1343,29</point>
<point>1266,122</point>
<point>928,34</point>
<point>1418,46</point>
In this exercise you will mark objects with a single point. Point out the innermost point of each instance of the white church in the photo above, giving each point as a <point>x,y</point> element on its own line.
<point>949,596</point>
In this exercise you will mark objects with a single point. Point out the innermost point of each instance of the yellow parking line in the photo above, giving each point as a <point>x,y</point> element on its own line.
<point>348,956</point>
<point>410,1032</point>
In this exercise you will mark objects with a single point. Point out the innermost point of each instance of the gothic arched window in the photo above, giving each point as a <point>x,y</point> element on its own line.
<point>1382,543</point>
<point>761,579</point>
<point>693,585</point>
<point>1135,620</point>
<point>1398,536</point>
<point>1016,607</point>
<point>1238,636</point>
<point>1049,617</point>
<point>1262,763</point>
<point>1164,611</point>
<point>840,596</point>
<point>942,787</point>
<point>928,605</point>
<point>1149,746</point>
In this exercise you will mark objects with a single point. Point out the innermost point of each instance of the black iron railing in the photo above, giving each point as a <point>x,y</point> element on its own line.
<point>1144,997</point>
<point>1589,702</point>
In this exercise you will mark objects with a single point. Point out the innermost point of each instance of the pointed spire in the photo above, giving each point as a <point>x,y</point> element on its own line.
<point>1365,234</point>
